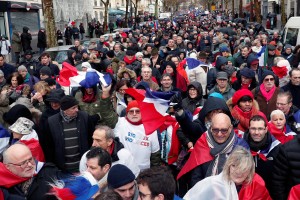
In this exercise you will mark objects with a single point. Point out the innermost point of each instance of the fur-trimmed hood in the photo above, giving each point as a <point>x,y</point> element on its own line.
<point>131,73</point>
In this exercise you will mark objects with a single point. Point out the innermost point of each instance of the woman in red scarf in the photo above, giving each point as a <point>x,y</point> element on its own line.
<point>243,108</point>
<point>178,80</point>
<point>277,127</point>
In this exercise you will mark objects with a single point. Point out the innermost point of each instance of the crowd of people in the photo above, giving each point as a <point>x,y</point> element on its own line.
<point>227,126</point>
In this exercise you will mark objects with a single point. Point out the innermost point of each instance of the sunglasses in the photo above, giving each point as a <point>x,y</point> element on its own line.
<point>268,79</point>
<point>222,130</point>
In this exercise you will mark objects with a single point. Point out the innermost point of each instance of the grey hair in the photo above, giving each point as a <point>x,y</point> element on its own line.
<point>147,60</point>
<point>139,54</point>
<point>243,161</point>
<point>109,133</point>
<point>276,112</point>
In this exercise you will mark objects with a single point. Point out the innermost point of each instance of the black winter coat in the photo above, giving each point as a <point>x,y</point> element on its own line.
<point>42,42</point>
<point>286,173</point>
<point>55,137</point>
<point>26,39</point>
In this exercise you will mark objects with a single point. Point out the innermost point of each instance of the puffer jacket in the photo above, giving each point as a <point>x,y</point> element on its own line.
<point>286,173</point>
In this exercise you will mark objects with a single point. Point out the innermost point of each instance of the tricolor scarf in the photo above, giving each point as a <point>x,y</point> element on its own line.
<point>267,95</point>
<point>219,152</point>
<point>279,134</point>
<point>129,62</point>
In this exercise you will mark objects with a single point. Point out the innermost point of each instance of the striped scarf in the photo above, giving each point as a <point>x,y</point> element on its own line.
<point>219,152</point>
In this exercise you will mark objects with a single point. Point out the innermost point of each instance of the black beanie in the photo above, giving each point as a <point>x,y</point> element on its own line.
<point>15,112</point>
<point>45,70</point>
<point>119,175</point>
<point>67,102</point>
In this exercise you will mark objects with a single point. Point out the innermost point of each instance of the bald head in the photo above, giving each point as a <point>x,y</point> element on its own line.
<point>12,153</point>
<point>221,127</point>
<point>18,159</point>
<point>221,118</point>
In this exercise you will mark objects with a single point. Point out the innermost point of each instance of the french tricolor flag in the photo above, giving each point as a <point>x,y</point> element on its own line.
<point>156,23</point>
<point>174,23</point>
<point>153,106</point>
<point>4,138</point>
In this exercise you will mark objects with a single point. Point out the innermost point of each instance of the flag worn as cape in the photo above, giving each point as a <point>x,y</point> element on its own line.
<point>255,190</point>
<point>35,148</point>
<point>200,154</point>
<point>8,179</point>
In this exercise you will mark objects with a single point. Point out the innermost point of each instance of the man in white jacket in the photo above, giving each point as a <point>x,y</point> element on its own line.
<point>104,137</point>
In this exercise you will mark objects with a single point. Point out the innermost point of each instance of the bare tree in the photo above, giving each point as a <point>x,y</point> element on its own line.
<point>106,4</point>
<point>49,22</point>
<point>257,11</point>
<point>283,14</point>
<point>241,8</point>
<point>126,14</point>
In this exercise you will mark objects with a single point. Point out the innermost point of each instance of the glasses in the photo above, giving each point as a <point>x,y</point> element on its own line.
<point>23,164</point>
<point>256,129</point>
<point>222,130</point>
<point>268,79</point>
<point>142,195</point>
<point>134,111</point>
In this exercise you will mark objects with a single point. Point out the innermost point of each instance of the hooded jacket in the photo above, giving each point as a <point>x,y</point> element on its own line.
<point>212,73</point>
<point>70,59</point>
<point>191,104</point>
<point>26,39</point>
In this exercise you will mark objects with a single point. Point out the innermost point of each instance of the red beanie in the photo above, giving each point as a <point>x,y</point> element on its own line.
<point>239,94</point>
<point>132,104</point>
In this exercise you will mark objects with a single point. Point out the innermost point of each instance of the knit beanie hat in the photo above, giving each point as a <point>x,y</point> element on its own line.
<point>67,102</point>
<point>132,104</point>
<point>239,94</point>
<point>248,73</point>
<point>110,54</point>
<point>119,175</point>
<point>45,70</point>
<point>266,73</point>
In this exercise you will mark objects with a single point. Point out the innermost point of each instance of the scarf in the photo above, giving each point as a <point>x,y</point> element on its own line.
<point>243,117</point>
<point>279,134</point>
<point>8,179</point>
<point>26,80</point>
<point>89,98</point>
<point>219,152</point>
<point>129,62</point>
<point>66,118</point>
<point>267,95</point>
<point>262,146</point>
<point>280,71</point>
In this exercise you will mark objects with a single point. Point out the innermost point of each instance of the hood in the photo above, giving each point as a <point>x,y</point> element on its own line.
<point>198,87</point>
<point>69,54</point>
<point>25,29</point>
<point>221,60</point>
<point>211,104</point>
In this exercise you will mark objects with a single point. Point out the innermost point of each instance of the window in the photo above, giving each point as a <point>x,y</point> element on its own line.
<point>101,15</point>
<point>95,2</point>
<point>123,4</point>
<point>101,3</point>
<point>96,15</point>
<point>291,36</point>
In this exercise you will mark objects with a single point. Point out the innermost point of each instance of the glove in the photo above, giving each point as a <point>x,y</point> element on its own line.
<point>176,101</point>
